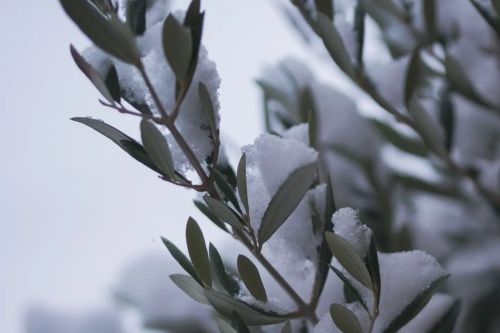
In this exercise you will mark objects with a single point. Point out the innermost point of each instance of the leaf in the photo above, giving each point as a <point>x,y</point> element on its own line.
<point>415,306</point>
<point>198,251</point>
<point>227,305</point>
<point>191,287</point>
<point>132,147</point>
<point>359,28</point>
<point>223,212</point>
<point>113,84</point>
<point>428,128</point>
<point>334,44</point>
<point>407,144</point>
<point>239,324</point>
<point>373,266</point>
<point>136,16</point>
<point>181,259</point>
<point>349,258</point>
<point>287,328</point>
<point>208,108</point>
<point>496,6</point>
<point>178,46</point>
<point>224,325</point>
<point>211,216</point>
<point>228,283</point>
<point>157,148</point>
<point>447,321</point>
<point>226,189</point>
<point>325,7</point>
<point>107,32</point>
<point>349,285</point>
<point>91,74</point>
<point>412,76</point>
<point>241,180</point>
<point>251,278</point>
<point>286,199</point>
<point>345,319</point>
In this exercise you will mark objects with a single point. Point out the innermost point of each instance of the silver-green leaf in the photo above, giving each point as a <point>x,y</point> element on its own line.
<point>190,287</point>
<point>156,146</point>
<point>177,45</point>
<point>241,179</point>
<point>251,278</point>
<point>223,212</point>
<point>345,319</point>
<point>198,251</point>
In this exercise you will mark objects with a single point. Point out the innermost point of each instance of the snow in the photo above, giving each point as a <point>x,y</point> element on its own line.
<point>192,121</point>
<point>430,315</point>
<point>393,89</point>
<point>346,223</point>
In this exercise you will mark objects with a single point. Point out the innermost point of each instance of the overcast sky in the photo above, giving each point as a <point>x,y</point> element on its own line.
<point>73,207</point>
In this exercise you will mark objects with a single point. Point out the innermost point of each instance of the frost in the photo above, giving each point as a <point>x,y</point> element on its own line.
<point>347,224</point>
<point>43,320</point>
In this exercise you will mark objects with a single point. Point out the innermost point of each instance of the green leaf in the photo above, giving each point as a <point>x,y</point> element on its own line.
<point>325,7</point>
<point>407,144</point>
<point>286,200</point>
<point>227,282</point>
<point>349,285</point>
<point>412,76</point>
<point>251,278</point>
<point>136,16</point>
<point>415,306</point>
<point>191,287</point>
<point>227,305</point>
<point>349,258</point>
<point>287,328</point>
<point>91,74</point>
<point>428,128</point>
<point>345,319</point>
<point>113,84</point>
<point>157,148</point>
<point>181,259</point>
<point>178,46</point>
<point>211,216</point>
<point>430,17</point>
<point>198,251</point>
<point>241,179</point>
<point>373,266</point>
<point>447,321</point>
<point>226,188</point>
<point>132,147</point>
<point>106,31</point>
<point>359,28</point>
<point>496,5</point>
<point>239,324</point>
<point>208,108</point>
<point>223,212</point>
<point>224,325</point>
<point>335,45</point>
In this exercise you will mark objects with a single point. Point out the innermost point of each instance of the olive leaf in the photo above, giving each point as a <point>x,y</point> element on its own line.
<point>198,251</point>
<point>410,145</point>
<point>156,146</point>
<point>446,323</point>
<point>132,147</point>
<point>191,287</point>
<point>373,266</point>
<point>226,188</point>
<point>136,16</point>
<point>251,278</point>
<point>178,46</point>
<point>351,287</point>
<point>113,84</point>
<point>412,76</point>
<point>208,107</point>
<point>227,282</point>
<point>223,212</point>
<point>428,128</point>
<point>345,319</point>
<point>325,7</point>
<point>415,306</point>
<point>104,29</point>
<point>208,213</point>
<point>94,77</point>
<point>349,258</point>
<point>181,259</point>
<point>286,199</point>
<point>241,179</point>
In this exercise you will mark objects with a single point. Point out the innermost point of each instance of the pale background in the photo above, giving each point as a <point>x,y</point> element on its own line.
<point>73,207</point>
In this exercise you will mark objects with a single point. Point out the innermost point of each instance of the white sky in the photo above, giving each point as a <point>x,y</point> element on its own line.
<point>73,207</point>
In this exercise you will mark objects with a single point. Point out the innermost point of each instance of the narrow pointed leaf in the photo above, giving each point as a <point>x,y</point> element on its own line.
<point>345,319</point>
<point>132,147</point>
<point>190,287</point>
<point>241,180</point>
<point>412,76</point>
<point>136,16</point>
<point>352,289</point>
<point>239,324</point>
<point>198,251</point>
<point>447,321</point>
<point>91,74</point>
<point>208,107</point>
<point>251,277</point>
<point>229,284</point>
<point>325,7</point>
<point>226,188</point>
<point>181,259</point>
<point>286,200</point>
<point>496,5</point>
<point>113,84</point>
<point>410,145</point>
<point>211,216</point>
<point>178,46</point>
<point>106,31</point>
<point>349,258</point>
<point>223,212</point>
<point>373,265</point>
<point>157,147</point>
<point>428,128</point>
<point>415,306</point>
